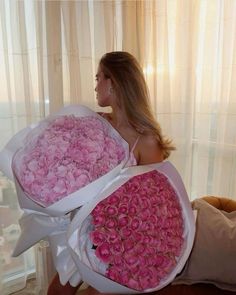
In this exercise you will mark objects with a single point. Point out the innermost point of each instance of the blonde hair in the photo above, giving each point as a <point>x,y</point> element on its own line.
<point>131,90</point>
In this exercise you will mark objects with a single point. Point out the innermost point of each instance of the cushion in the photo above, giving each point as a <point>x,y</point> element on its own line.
<point>213,257</point>
<point>221,203</point>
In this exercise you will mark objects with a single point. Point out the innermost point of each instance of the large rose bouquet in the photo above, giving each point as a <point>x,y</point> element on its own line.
<point>138,231</point>
<point>137,234</point>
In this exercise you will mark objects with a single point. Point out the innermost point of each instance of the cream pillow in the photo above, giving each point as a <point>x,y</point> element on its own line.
<point>213,257</point>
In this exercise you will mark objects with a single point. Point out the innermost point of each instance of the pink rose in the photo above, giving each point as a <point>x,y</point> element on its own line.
<point>123,221</point>
<point>128,244</point>
<point>99,219</point>
<point>130,258</point>
<point>123,208</point>
<point>116,247</point>
<point>111,210</point>
<point>133,284</point>
<point>117,260</point>
<point>139,248</point>
<point>112,235</point>
<point>111,223</point>
<point>135,223</point>
<point>113,200</point>
<point>114,274</point>
<point>103,252</point>
<point>97,237</point>
<point>125,232</point>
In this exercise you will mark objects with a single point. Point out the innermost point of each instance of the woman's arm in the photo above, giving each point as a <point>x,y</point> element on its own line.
<point>55,288</point>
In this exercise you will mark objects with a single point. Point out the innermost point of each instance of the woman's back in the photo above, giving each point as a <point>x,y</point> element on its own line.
<point>144,148</point>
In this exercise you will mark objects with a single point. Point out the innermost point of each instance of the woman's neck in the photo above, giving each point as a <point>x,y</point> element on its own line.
<point>119,118</point>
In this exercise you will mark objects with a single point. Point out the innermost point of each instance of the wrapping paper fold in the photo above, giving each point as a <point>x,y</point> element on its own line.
<point>37,226</point>
<point>62,259</point>
<point>77,232</point>
<point>51,222</point>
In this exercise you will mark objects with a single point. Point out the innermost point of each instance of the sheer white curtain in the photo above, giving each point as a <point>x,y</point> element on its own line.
<point>188,52</point>
<point>49,52</point>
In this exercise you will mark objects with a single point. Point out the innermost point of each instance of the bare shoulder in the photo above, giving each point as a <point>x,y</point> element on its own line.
<point>149,151</point>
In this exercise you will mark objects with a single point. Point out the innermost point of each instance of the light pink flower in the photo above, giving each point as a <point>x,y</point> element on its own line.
<point>65,155</point>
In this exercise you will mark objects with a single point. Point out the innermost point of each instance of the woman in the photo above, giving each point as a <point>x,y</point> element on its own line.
<point>121,85</point>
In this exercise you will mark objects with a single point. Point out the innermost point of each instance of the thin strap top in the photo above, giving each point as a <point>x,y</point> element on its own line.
<point>132,160</point>
<point>134,146</point>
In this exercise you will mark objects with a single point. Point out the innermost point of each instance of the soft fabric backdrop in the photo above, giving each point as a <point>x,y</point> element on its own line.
<point>49,51</point>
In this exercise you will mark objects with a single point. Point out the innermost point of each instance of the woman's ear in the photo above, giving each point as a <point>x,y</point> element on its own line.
<point>110,86</point>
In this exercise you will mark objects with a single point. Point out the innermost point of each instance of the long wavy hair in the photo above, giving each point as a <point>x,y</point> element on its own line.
<point>132,95</point>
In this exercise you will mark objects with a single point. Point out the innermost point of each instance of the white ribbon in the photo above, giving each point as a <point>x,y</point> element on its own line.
<point>36,226</point>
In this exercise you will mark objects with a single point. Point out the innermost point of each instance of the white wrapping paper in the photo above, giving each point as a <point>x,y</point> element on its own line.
<point>38,222</point>
<point>76,230</point>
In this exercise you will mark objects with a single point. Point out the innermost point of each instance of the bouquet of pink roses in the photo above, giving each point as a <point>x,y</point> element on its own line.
<point>137,234</point>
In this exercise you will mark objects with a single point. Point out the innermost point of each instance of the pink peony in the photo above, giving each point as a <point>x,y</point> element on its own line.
<point>66,155</point>
<point>142,225</point>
